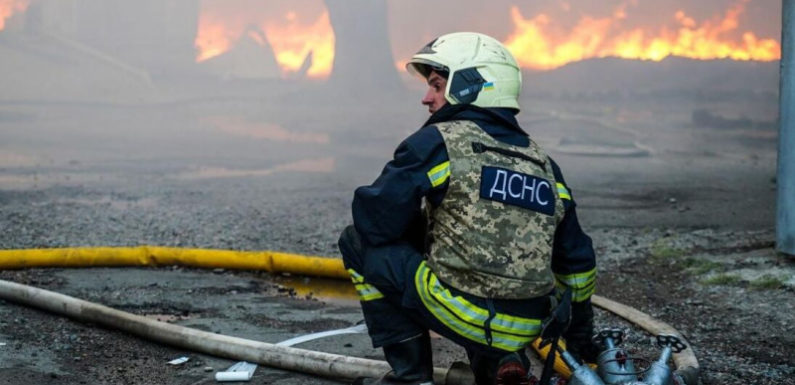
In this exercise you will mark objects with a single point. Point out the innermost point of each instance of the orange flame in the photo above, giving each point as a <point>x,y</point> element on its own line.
<point>213,38</point>
<point>291,39</point>
<point>534,46</point>
<point>293,42</point>
<point>9,7</point>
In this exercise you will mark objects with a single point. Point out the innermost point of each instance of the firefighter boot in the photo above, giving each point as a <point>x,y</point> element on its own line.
<point>411,363</point>
<point>513,370</point>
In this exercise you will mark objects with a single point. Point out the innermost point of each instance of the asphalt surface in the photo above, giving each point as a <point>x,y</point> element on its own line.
<point>682,221</point>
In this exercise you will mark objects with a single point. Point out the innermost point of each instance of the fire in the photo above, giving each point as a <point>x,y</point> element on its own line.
<point>291,36</point>
<point>213,38</point>
<point>536,46</point>
<point>293,42</point>
<point>9,7</point>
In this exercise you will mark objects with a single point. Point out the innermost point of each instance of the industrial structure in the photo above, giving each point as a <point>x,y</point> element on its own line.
<point>785,222</point>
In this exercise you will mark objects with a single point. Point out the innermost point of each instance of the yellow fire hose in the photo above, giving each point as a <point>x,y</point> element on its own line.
<point>276,262</point>
<point>271,261</point>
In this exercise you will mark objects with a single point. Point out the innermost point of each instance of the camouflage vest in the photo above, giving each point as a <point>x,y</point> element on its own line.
<point>492,234</point>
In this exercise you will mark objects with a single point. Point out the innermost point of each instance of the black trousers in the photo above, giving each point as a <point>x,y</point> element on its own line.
<point>398,312</point>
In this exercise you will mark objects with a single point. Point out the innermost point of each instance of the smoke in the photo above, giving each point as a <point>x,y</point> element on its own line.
<point>228,84</point>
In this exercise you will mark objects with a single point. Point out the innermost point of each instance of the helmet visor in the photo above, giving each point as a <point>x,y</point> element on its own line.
<point>423,68</point>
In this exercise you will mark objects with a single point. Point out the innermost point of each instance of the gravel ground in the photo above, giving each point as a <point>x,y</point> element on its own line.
<point>692,246</point>
<point>725,289</point>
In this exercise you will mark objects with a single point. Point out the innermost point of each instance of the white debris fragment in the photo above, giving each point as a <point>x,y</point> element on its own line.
<point>241,371</point>
<point>178,361</point>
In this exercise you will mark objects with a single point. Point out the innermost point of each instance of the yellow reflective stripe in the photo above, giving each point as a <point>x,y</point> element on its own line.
<point>366,291</point>
<point>508,332</point>
<point>580,295</point>
<point>441,313</point>
<point>371,297</point>
<point>577,280</point>
<point>439,174</point>
<point>473,314</point>
<point>355,277</point>
<point>511,324</point>
<point>582,285</point>
<point>463,308</point>
<point>583,295</point>
<point>508,341</point>
<point>575,290</point>
<point>563,191</point>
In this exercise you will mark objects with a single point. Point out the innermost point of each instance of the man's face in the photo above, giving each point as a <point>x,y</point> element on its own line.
<point>434,98</point>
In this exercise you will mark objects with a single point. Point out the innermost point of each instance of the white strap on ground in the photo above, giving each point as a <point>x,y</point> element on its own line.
<point>356,329</point>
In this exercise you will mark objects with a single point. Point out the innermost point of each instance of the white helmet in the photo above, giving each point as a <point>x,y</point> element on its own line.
<point>481,70</point>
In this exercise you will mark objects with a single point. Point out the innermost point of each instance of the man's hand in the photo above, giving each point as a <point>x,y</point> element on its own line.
<point>578,336</point>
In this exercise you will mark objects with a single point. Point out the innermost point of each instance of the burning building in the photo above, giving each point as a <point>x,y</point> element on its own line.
<point>299,37</point>
<point>364,41</point>
<point>538,45</point>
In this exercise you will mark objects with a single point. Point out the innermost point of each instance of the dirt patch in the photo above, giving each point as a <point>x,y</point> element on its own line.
<point>739,328</point>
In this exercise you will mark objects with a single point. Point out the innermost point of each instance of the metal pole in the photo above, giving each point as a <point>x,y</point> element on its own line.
<point>785,219</point>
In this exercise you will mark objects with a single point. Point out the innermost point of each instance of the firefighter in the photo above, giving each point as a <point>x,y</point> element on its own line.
<point>470,230</point>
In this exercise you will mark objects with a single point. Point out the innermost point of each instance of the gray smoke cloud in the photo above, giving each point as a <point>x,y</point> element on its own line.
<point>90,88</point>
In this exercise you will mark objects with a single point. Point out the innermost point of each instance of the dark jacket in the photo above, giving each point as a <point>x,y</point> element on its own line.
<point>388,209</point>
